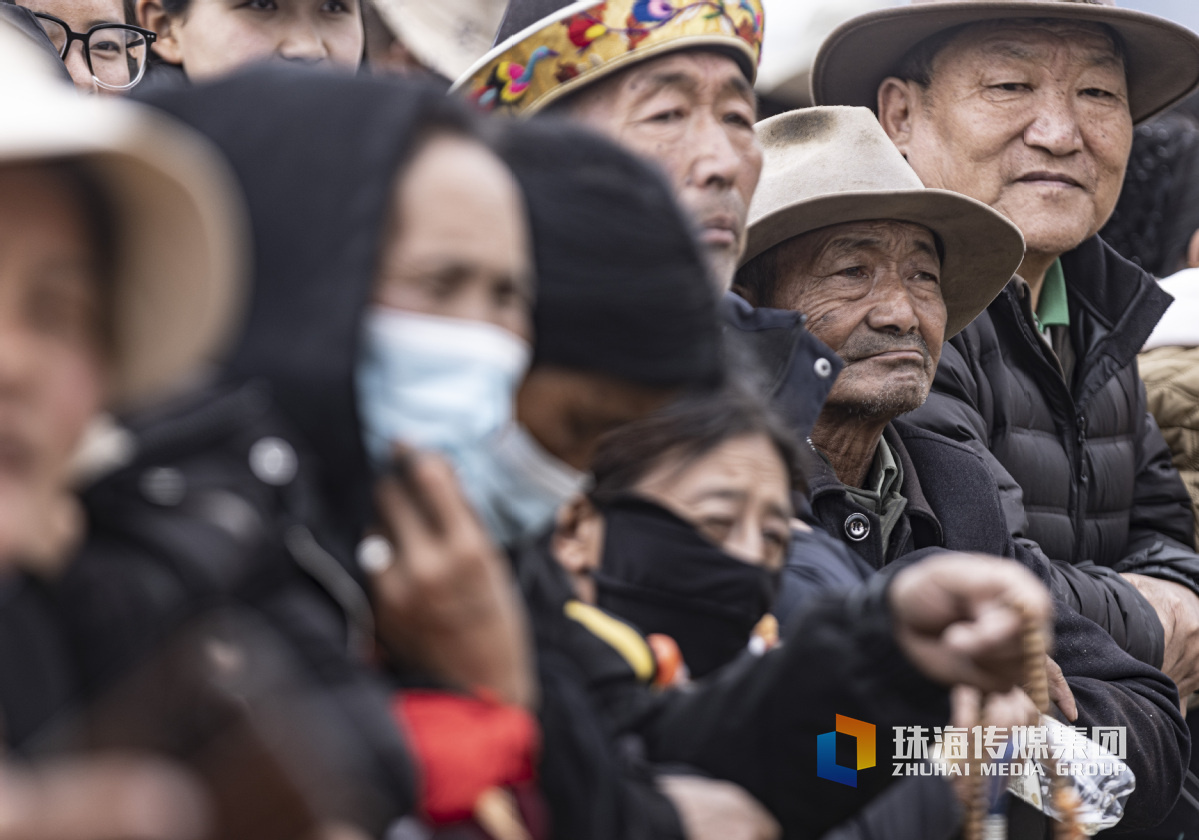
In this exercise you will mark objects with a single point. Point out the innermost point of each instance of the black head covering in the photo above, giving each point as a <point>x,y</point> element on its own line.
<point>622,286</point>
<point>316,155</point>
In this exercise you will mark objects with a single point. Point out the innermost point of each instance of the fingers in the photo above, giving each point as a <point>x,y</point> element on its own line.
<point>961,618</point>
<point>1059,690</point>
<point>109,798</point>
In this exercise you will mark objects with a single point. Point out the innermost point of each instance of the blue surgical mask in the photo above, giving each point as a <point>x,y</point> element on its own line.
<point>514,485</point>
<point>430,382</point>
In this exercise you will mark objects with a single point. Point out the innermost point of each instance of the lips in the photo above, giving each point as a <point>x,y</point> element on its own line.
<point>1049,177</point>
<point>719,230</point>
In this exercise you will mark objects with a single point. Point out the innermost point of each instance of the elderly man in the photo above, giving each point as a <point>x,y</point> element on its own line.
<point>885,269</point>
<point>673,82</point>
<point>1029,107</point>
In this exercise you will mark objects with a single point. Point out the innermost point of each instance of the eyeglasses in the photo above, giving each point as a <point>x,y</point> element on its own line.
<point>116,53</point>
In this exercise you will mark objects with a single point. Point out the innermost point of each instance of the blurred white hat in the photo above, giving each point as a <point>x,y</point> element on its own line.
<point>447,36</point>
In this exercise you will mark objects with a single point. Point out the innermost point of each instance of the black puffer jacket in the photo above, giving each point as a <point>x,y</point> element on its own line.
<point>953,504</point>
<point>1083,470</point>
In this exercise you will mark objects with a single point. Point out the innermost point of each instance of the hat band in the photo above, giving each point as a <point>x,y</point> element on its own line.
<point>595,39</point>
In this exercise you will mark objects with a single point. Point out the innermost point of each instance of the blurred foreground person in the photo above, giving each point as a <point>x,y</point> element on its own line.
<point>90,195</point>
<point>208,38</point>
<point>389,321</point>
<point>885,272</point>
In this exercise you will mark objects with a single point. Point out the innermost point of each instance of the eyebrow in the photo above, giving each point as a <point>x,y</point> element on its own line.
<point>735,85</point>
<point>847,246</point>
<point>1021,52</point>
<point>740,496</point>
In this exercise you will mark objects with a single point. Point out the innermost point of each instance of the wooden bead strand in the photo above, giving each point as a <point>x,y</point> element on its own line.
<point>1036,682</point>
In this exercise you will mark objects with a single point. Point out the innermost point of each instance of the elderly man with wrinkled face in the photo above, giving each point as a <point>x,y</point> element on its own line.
<point>1029,107</point>
<point>885,269</point>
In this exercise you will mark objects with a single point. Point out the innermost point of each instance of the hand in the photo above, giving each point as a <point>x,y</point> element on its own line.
<point>447,602</point>
<point>1059,691</point>
<point>1178,609</point>
<point>102,798</point>
<point>959,618</point>
<point>714,810</point>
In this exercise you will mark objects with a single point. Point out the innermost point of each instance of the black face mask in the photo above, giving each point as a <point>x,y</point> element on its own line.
<point>661,574</point>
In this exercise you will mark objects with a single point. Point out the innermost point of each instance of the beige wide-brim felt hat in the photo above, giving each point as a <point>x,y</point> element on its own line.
<point>180,253</point>
<point>1161,58</point>
<point>446,35</point>
<point>832,165</point>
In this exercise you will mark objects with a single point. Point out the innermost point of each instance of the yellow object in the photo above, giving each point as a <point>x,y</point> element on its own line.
<point>620,636</point>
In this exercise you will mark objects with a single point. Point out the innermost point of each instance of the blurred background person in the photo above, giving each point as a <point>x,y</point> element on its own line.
<point>209,38</point>
<point>1156,225</point>
<point>98,40</point>
<point>440,39</point>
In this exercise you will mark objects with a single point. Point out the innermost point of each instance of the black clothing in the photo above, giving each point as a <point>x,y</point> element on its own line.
<point>953,504</point>
<point>663,576</point>
<point>1083,470</point>
<point>773,352</point>
<point>753,722</point>
<point>607,232</point>
<point>316,154</point>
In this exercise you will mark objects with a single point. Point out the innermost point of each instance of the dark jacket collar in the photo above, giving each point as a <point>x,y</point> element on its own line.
<point>774,350</point>
<point>830,501</point>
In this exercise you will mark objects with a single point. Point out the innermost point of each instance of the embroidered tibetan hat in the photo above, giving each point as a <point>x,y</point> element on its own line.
<point>546,49</point>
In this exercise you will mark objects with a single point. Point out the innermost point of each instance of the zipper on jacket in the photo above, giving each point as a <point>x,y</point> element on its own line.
<point>1076,443</point>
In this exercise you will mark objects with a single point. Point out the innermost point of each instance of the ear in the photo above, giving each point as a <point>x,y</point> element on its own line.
<point>1193,251</point>
<point>151,15</point>
<point>897,100</point>
<point>747,294</point>
<point>578,540</point>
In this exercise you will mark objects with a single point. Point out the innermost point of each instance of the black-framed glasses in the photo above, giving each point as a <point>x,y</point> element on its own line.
<point>116,53</point>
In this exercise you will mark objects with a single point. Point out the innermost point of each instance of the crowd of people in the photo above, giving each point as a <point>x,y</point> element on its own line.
<point>561,452</point>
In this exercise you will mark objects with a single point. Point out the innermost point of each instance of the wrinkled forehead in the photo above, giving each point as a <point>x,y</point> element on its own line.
<point>877,238</point>
<point>1033,40</point>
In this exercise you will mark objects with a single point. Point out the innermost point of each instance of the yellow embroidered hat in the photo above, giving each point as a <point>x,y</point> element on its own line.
<point>546,49</point>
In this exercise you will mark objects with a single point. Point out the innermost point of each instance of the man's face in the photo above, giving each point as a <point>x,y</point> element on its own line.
<point>1029,117</point>
<point>693,114</point>
<point>52,359</point>
<point>214,37</point>
<point>872,293</point>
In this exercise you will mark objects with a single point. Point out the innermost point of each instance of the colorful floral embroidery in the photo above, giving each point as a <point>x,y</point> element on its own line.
<point>603,37</point>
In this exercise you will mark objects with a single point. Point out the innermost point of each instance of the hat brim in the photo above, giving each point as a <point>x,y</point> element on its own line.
<point>982,249</point>
<point>1161,58</point>
<point>181,251</point>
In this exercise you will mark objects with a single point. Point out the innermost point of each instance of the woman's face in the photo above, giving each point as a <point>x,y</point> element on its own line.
<point>737,495</point>
<point>457,244</point>
<point>53,368</point>
<point>80,16</point>
<point>213,37</point>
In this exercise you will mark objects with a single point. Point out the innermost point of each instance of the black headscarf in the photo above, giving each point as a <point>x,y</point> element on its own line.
<point>316,154</point>
<point>622,285</point>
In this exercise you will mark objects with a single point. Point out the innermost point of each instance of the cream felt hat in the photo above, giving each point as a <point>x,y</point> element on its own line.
<point>1161,58</point>
<point>831,165</point>
<point>180,253</point>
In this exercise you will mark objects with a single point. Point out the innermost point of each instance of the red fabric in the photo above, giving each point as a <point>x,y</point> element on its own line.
<point>465,745</point>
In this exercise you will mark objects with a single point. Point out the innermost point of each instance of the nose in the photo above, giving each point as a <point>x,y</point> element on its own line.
<point>77,67</point>
<point>893,309</point>
<point>1055,127</point>
<point>746,543</point>
<point>302,42</point>
<point>716,159</point>
<point>18,354</point>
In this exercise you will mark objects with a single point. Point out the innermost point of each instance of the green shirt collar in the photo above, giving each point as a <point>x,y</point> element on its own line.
<point>1052,307</point>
